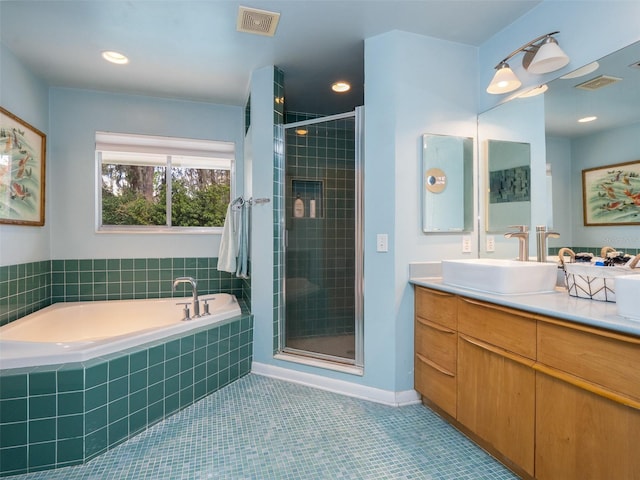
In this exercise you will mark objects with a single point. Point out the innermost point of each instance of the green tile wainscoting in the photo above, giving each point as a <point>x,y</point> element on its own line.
<point>61,415</point>
<point>28,287</point>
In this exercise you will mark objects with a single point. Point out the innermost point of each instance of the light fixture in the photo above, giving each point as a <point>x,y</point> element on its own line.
<point>532,92</point>
<point>302,131</point>
<point>587,119</point>
<point>341,86</point>
<point>115,57</point>
<point>504,80</point>
<point>542,55</point>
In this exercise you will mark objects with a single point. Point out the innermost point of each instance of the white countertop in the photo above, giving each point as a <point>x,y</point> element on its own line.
<point>557,304</point>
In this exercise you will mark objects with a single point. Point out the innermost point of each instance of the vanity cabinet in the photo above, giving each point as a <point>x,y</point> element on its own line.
<point>436,348</point>
<point>551,399</point>
<point>587,403</point>
<point>496,381</point>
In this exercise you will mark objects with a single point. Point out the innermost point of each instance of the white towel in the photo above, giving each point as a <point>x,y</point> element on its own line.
<point>228,243</point>
<point>242,270</point>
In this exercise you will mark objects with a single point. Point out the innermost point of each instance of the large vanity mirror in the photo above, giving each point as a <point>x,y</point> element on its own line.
<point>447,181</point>
<point>562,146</point>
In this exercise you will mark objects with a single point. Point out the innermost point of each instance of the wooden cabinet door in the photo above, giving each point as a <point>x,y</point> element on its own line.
<point>436,341</point>
<point>496,400</point>
<point>583,436</point>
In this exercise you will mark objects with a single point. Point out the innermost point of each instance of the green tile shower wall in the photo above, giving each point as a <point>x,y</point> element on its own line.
<point>321,250</point>
<point>28,287</point>
<point>51,417</point>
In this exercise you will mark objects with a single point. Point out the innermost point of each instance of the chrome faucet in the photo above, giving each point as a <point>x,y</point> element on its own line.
<point>523,238</point>
<point>194,289</point>
<point>541,239</point>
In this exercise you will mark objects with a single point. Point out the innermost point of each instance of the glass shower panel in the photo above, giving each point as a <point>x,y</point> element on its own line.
<point>320,257</point>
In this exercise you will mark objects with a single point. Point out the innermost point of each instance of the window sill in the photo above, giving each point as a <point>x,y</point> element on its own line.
<point>159,230</point>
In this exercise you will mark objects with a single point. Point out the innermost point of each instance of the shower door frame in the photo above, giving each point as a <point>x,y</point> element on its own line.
<point>324,360</point>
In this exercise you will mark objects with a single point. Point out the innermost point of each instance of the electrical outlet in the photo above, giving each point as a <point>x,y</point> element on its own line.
<point>491,243</point>
<point>466,244</point>
<point>382,242</point>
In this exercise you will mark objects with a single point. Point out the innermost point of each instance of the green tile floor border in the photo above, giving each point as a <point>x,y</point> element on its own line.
<point>61,415</point>
<point>26,288</point>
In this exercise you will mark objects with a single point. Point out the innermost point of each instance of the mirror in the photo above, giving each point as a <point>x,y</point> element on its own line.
<point>509,185</point>
<point>447,184</point>
<point>561,147</point>
<point>608,89</point>
<point>511,136</point>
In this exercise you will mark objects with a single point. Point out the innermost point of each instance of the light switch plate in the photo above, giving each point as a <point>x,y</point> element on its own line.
<point>382,242</point>
<point>491,243</point>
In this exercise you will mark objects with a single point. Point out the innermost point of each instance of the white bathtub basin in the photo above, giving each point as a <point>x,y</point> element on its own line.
<point>505,277</point>
<point>627,294</point>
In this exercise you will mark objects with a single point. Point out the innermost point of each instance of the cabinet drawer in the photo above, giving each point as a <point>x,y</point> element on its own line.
<point>436,343</point>
<point>436,384</point>
<point>604,358</point>
<point>438,307</point>
<point>510,329</point>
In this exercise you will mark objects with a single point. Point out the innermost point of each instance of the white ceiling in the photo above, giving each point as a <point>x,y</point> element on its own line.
<point>191,49</point>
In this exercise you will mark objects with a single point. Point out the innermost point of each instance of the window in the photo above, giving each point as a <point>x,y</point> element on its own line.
<point>147,182</point>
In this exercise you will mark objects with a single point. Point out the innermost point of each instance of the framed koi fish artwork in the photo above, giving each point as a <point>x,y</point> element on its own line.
<point>611,194</point>
<point>22,171</point>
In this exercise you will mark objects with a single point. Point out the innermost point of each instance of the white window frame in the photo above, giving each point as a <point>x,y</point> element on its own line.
<point>125,143</point>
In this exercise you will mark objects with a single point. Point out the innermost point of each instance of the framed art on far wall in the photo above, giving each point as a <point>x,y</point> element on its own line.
<point>22,171</point>
<point>611,194</point>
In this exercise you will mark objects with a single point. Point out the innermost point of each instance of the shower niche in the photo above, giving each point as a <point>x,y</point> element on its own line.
<point>307,198</point>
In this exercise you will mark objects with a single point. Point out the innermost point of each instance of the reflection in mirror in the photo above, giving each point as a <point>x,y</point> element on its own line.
<point>509,189</point>
<point>609,90</point>
<point>447,181</point>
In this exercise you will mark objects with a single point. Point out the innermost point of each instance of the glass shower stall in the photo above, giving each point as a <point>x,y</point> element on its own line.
<point>322,315</point>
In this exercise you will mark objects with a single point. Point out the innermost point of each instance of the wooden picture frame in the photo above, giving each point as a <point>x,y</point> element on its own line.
<point>22,171</point>
<point>611,194</point>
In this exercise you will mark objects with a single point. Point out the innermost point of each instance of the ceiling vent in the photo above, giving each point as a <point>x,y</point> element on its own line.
<point>260,22</point>
<point>598,82</point>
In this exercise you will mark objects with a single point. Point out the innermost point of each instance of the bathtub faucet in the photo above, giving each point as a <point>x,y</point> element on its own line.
<point>194,289</point>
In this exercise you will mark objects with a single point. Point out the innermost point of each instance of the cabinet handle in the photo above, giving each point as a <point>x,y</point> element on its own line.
<point>497,350</point>
<point>435,292</point>
<point>435,326</point>
<point>435,366</point>
<point>492,306</point>
<point>585,385</point>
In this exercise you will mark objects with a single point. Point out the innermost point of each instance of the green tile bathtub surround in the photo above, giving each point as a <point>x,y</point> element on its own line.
<point>13,386</point>
<point>93,408</point>
<point>42,430</point>
<point>43,406</point>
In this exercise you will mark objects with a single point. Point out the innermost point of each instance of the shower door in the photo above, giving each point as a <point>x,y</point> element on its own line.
<point>323,240</point>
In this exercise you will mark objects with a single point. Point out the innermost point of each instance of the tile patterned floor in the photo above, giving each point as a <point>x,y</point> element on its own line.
<point>261,428</point>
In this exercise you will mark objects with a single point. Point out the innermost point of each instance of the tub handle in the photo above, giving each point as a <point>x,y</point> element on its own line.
<point>185,310</point>
<point>206,307</point>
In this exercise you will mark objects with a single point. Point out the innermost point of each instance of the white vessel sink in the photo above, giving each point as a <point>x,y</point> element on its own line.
<point>627,293</point>
<point>505,277</point>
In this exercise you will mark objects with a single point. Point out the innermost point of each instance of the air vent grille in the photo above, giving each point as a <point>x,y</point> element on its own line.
<point>598,82</point>
<point>260,22</point>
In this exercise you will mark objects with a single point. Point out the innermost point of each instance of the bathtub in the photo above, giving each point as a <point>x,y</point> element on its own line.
<point>79,331</point>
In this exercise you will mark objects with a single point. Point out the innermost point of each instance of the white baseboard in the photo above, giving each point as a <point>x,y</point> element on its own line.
<point>386,397</point>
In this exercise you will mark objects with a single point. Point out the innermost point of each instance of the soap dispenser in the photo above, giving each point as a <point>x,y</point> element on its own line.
<point>298,207</point>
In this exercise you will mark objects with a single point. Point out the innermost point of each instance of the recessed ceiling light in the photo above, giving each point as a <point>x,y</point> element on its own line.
<point>587,119</point>
<point>115,57</point>
<point>301,131</point>
<point>341,87</point>
<point>534,91</point>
